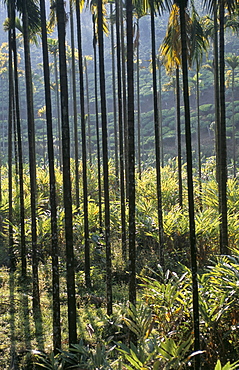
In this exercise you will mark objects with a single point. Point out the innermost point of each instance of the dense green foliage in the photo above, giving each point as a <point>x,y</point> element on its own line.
<point>98,241</point>
<point>207,116</point>
<point>175,219</point>
<point>163,317</point>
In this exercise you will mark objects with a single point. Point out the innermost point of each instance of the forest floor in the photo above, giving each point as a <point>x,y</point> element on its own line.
<point>22,333</point>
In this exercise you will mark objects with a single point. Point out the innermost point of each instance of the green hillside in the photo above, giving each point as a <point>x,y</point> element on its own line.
<point>146,99</point>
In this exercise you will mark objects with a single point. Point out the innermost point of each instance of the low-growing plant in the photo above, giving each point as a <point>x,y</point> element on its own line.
<point>170,297</point>
<point>228,366</point>
<point>80,356</point>
<point>219,297</point>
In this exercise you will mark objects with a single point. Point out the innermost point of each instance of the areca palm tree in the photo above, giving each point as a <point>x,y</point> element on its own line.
<point>157,139</point>
<point>76,151</point>
<point>28,29</point>
<point>61,23</point>
<point>97,121</point>
<point>20,156</point>
<point>84,154</point>
<point>138,102</point>
<point>179,143</point>
<point>114,98</point>
<point>55,252</point>
<point>124,93</point>
<point>182,52</point>
<point>53,49</point>
<point>159,67</point>
<point>88,110</point>
<point>211,29</point>
<point>121,140</point>
<point>131,158</point>
<point>217,8</point>
<point>10,125</point>
<point>143,9</point>
<point>170,49</point>
<point>222,136</point>
<point>182,12</point>
<point>26,8</point>
<point>105,159</point>
<point>199,45</point>
<point>30,25</point>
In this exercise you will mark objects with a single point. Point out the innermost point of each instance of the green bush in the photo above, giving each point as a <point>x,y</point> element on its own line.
<point>206,108</point>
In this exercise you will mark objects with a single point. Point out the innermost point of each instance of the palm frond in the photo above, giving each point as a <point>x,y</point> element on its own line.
<point>33,14</point>
<point>171,45</point>
<point>230,5</point>
<point>209,5</point>
<point>232,23</point>
<point>93,5</point>
<point>199,40</point>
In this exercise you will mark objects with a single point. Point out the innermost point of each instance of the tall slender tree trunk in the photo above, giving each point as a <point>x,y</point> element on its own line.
<point>160,114</point>
<point>138,106</point>
<point>10,124</point>
<point>105,160</point>
<point>84,155</point>
<point>97,124</point>
<point>20,159</point>
<point>55,251</point>
<point>3,131</point>
<point>114,99</point>
<point>32,157</point>
<point>1,148</point>
<point>121,139</point>
<point>88,111</point>
<point>131,156</point>
<point>15,137</point>
<point>0,185</point>
<point>199,138</point>
<point>182,7</point>
<point>58,111</point>
<point>179,145</point>
<point>1,155</point>
<point>125,122</point>
<point>157,140</point>
<point>233,124</point>
<point>223,144</point>
<point>216,90</point>
<point>75,125</point>
<point>43,148</point>
<point>61,19</point>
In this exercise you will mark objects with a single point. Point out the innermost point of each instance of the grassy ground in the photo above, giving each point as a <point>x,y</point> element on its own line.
<point>21,332</point>
<point>162,317</point>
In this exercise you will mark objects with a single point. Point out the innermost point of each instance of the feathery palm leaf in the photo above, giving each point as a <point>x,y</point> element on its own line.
<point>232,61</point>
<point>171,45</point>
<point>139,9</point>
<point>199,41</point>
<point>93,5</point>
<point>18,25</point>
<point>232,23</point>
<point>33,14</point>
<point>159,5</point>
<point>231,5</point>
<point>52,45</point>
